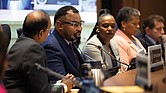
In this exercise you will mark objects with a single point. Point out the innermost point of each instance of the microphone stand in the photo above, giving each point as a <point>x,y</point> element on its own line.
<point>162,47</point>
<point>100,48</point>
<point>131,66</point>
<point>163,55</point>
<point>77,83</point>
<point>112,57</point>
<point>84,89</point>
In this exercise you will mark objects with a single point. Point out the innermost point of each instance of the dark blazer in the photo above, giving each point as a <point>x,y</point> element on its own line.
<point>22,76</point>
<point>144,40</point>
<point>60,57</point>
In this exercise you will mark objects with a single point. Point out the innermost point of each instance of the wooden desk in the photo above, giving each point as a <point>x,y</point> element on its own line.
<point>128,79</point>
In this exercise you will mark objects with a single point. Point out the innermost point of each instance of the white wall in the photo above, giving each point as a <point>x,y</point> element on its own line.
<point>15,20</point>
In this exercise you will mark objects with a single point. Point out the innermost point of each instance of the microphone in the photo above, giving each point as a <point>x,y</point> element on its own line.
<point>84,88</point>
<point>49,71</point>
<point>163,40</point>
<point>101,49</point>
<point>90,58</point>
<point>130,66</point>
<point>110,70</point>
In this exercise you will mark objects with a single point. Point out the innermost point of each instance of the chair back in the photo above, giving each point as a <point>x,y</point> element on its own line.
<point>7,32</point>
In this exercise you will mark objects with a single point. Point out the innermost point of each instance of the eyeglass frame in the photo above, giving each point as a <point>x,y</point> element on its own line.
<point>48,29</point>
<point>74,23</point>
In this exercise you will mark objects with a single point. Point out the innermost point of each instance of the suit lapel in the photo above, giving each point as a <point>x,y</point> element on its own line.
<point>65,47</point>
<point>148,42</point>
<point>132,45</point>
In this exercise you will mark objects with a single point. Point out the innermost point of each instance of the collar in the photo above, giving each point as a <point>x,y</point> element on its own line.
<point>151,39</point>
<point>68,42</point>
<point>121,33</point>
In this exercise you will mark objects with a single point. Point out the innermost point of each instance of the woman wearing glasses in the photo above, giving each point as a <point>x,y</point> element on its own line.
<point>98,47</point>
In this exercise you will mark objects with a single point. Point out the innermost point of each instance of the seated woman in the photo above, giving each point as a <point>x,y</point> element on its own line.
<point>125,42</point>
<point>98,47</point>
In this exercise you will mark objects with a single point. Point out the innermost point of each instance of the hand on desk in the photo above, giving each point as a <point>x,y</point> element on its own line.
<point>69,82</point>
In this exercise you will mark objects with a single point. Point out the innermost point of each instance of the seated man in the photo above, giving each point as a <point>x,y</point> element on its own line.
<point>153,28</point>
<point>22,76</point>
<point>62,55</point>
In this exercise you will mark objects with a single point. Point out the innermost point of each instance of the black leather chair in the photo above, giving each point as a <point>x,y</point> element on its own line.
<point>7,33</point>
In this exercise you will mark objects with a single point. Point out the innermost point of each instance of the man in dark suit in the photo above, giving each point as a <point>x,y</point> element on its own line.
<point>62,57</point>
<point>22,76</point>
<point>153,28</point>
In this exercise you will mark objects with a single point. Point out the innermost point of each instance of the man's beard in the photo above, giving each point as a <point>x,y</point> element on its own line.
<point>77,41</point>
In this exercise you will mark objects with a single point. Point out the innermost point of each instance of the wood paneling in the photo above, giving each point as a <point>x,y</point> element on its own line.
<point>149,7</point>
<point>146,7</point>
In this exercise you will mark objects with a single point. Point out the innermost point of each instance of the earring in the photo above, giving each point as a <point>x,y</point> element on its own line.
<point>97,31</point>
<point>124,29</point>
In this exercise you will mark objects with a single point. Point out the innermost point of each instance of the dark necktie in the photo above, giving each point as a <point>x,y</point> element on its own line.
<point>74,53</point>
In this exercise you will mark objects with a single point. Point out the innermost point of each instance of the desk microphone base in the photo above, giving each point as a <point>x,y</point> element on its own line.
<point>156,68</point>
<point>147,88</point>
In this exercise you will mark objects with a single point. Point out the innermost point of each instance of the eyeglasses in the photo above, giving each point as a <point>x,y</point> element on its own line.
<point>50,30</point>
<point>74,24</point>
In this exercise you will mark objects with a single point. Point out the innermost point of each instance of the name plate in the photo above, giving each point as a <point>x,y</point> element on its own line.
<point>155,57</point>
<point>143,76</point>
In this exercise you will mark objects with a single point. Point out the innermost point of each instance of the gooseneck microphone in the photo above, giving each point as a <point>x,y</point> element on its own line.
<point>90,58</point>
<point>49,71</point>
<point>88,89</point>
<point>163,39</point>
<point>101,49</point>
<point>130,66</point>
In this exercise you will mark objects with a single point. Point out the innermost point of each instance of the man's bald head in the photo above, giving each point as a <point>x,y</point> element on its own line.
<point>34,22</point>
